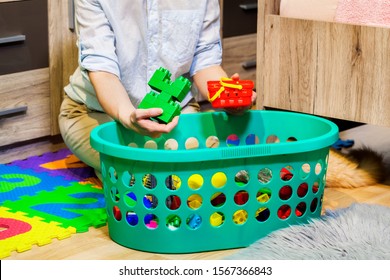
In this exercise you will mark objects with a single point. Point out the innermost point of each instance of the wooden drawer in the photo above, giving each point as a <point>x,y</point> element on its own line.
<point>27,94</point>
<point>239,17</point>
<point>239,56</point>
<point>23,36</point>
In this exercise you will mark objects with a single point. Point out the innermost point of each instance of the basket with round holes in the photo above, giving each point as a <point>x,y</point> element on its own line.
<point>216,181</point>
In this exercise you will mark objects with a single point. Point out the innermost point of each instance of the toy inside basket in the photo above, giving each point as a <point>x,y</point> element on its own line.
<point>215,182</point>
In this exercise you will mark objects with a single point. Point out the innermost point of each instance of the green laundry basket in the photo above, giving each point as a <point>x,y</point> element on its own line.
<point>216,181</point>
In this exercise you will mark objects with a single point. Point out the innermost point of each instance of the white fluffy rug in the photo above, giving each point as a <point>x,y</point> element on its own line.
<point>359,232</point>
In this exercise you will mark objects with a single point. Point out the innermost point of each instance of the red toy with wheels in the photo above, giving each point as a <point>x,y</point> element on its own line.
<point>230,93</point>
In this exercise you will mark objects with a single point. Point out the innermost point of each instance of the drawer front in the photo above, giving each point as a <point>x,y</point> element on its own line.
<point>239,56</point>
<point>24,106</point>
<point>239,17</point>
<point>23,36</point>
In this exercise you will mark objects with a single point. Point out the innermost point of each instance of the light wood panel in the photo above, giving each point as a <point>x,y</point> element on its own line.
<point>328,69</point>
<point>63,56</point>
<point>97,245</point>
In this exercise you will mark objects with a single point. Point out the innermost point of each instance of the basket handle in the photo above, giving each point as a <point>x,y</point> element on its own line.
<point>223,82</point>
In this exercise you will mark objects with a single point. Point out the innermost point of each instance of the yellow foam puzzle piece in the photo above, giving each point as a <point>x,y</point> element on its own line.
<point>40,233</point>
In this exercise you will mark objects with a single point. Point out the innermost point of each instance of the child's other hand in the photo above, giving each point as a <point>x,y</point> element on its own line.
<point>140,122</point>
<point>240,110</point>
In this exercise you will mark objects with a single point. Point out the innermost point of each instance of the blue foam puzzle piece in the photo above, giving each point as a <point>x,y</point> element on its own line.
<point>16,182</point>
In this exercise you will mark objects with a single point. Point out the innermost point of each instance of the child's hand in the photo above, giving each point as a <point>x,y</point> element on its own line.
<point>240,110</point>
<point>140,122</point>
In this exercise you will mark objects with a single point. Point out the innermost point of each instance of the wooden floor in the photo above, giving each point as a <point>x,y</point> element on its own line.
<point>97,245</point>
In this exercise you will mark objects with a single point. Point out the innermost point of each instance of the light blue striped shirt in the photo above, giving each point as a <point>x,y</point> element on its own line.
<point>133,38</point>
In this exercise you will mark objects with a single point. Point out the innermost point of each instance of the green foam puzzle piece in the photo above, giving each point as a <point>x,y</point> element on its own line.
<point>78,205</point>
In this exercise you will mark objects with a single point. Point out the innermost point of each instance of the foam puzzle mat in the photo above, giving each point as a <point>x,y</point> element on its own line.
<point>44,197</point>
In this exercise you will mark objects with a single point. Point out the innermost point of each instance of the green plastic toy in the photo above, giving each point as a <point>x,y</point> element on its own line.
<point>167,95</point>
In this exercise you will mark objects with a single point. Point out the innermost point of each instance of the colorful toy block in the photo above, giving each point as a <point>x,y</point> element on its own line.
<point>173,222</point>
<point>216,219</point>
<point>194,221</point>
<point>230,93</point>
<point>240,217</point>
<point>167,95</point>
<point>194,202</point>
<point>132,218</point>
<point>241,198</point>
<point>263,198</point>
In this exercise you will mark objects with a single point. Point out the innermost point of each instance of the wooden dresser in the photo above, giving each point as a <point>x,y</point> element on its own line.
<point>24,71</point>
<point>35,41</point>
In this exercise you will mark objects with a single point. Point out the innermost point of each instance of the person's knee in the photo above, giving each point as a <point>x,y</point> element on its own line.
<point>75,126</point>
<point>191,107</point>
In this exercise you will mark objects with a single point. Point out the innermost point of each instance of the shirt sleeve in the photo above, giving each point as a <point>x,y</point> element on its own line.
<point>96,40</point>
<point>209,50</point>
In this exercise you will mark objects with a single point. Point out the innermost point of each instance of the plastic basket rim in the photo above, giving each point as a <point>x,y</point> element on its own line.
<point>265,149</point>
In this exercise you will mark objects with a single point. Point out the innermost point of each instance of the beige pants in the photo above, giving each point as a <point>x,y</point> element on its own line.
<point>76,122</point>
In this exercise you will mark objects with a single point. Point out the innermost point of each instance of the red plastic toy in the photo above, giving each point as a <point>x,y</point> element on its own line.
<point>230,93</point>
